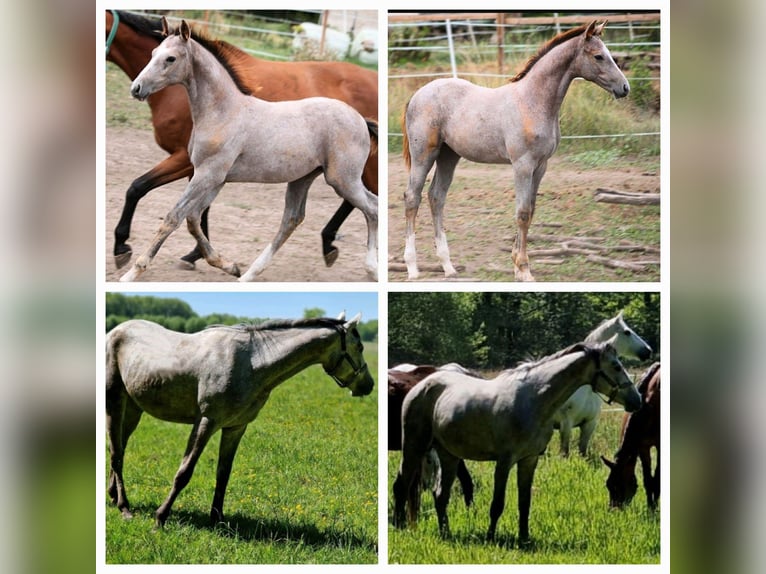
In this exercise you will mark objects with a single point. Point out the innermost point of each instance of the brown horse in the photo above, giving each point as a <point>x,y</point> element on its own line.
<point>640,432</point>
<point>401,382</point>
<point>133,38</point>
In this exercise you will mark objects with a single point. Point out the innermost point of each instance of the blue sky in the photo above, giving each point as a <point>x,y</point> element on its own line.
<point>276,305</point>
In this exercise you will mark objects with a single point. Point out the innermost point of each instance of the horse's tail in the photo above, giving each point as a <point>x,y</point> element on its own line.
<point>115,386</point>
<point>405,139</point>
<point>372,127</point>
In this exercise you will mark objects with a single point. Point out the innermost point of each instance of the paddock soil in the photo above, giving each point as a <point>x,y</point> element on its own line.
<point>243,220</point>
<point>480,223</point>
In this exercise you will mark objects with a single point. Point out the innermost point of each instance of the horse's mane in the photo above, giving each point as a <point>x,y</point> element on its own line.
<point>530,364</point>
<point>547,47</point>
<point>281,324</point>
<point>227,54</point>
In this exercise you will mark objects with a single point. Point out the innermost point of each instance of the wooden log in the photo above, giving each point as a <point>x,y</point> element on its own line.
<point>626,197</point>
<point>616,263</point>
<point>428,267</point>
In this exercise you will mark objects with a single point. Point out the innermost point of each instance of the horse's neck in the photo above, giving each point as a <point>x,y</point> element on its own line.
<point>131,55</point>
<point>600,334</point>
<point>576,370</point>
<point>287,352</point>
<point>209,86</point>
<point>548,80</point>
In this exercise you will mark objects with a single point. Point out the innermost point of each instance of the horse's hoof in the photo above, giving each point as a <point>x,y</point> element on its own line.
<point>234,270</point>
<point>331,257</point>
<point>122,259</point>
<point>127,514</point>
<point>186,265</point>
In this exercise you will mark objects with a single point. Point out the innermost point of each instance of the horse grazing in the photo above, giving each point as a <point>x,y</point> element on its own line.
<point>506,419</point>
<point>401,382</point>
<point>517,123</point>
<point>242,138</point>
<point>583,408</point>
<point>216,379</point>
<point>131,39</point>
<point>640,432</point>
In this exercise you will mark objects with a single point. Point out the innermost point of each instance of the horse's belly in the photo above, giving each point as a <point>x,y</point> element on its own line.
<point>278,168</point>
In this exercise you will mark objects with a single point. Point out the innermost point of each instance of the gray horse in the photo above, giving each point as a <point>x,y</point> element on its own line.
<point>237,137</point>
<point>216,379</point>
<point>506,419</point>
<point>517,123</point>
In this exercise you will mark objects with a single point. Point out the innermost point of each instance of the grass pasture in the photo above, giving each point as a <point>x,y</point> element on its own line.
<point>303,488</point>
<point>570,520</point>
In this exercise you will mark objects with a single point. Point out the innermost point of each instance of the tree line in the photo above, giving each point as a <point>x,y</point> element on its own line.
<point>490,330</point>
<point>177,315</point>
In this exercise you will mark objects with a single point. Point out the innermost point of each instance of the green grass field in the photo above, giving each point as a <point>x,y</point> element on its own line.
<point>570,519</point>
<point>303,488</point>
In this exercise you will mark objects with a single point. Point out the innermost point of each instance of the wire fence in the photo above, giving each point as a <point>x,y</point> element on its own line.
<point>460,38</point>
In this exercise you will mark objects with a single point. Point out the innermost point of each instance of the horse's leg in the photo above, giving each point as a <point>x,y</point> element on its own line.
<point>230,438</point>
<point>358,196</point>
<point>645,456</point>
<point>172,168</point>
<point>437,197</point>
<point>201,432</point>
<point>195,254</point>
<point>130,419</point>
<point>199,194</point>
<point>443,489</point>
<point>329,232</point>
<point>206,249</point>
<point>466,482</point>
<point>422,161</point>
<point>502,469</point>
<point>565,434</point>
<point>527,181</point>
<point>526,473</point>
<point>292,217</point>
<point>586,432</point>
<point>116,398</point>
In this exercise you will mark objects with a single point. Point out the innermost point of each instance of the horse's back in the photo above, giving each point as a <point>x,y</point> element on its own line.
<point>285,141</point>
<point>278,81</point>
<point>463,115</point>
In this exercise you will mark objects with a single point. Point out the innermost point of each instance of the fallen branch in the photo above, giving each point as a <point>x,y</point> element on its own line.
<point>428,267</point>
<point>626,197</point>
<point>616,263</point>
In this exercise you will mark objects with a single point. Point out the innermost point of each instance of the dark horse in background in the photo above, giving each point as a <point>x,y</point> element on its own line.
<point>401,382</point>
<point>640,432</point>
<point>130,41</point>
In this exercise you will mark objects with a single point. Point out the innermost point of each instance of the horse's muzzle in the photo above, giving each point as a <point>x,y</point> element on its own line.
<point>622,92</point>
<point>135,91</point>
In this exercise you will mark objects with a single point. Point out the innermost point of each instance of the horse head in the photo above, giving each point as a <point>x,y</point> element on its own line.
<point>621,483</point>
<point>594,63</point>
<point>346,364</point>
<point>611,379</point>
<point>170,64</point>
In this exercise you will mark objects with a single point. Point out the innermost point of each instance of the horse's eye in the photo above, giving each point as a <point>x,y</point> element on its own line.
<point>599,57</point>
<point>170,59</point>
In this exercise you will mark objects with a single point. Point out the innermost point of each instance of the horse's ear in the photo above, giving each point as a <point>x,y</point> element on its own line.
<point>185,30</point>
<point>594,29</point>
<point>342,316</point>
<point>607,462</point>
<point>165,27</point>
<point>353,322</point>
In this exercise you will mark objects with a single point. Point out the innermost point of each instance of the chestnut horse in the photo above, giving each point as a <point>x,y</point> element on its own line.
<point>130,41</point>
<point>640,432</point>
